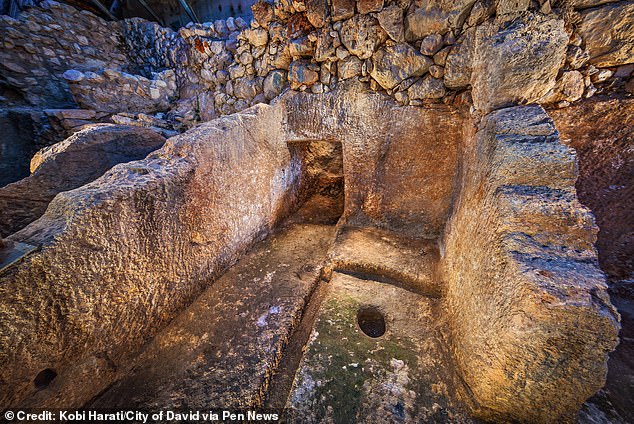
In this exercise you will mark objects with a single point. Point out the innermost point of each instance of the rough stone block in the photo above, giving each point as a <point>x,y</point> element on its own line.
<point>608,33</point>
<point>537,315</point>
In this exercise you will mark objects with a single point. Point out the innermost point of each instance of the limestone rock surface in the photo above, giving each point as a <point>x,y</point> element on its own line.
<point>175,222</point>
<point>537,46</point>
<point>342,9</point>
<point>317,12</point>
<point>223,348</point>
<point>76,161</point>
<point>408,194</point>
<point>608,32</point>
<point>535,242</point>
<point>302,73</point>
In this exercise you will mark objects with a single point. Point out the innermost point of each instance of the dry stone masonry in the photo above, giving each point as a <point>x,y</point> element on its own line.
<point>417,53</point>
<point>376,200</point>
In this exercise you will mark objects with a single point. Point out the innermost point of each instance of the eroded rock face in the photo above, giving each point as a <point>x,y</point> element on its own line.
<point>178,218</point>
<point>608,32</point>
<point>498,81</point>
<point>534,242</point>
<point>78,160</point>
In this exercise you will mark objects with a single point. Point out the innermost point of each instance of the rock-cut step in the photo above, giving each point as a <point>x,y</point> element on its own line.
<point>222,350</point>
<point>375,254</point>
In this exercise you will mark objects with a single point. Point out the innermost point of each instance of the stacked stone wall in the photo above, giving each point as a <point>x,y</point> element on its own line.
<point>44,42</point>
<point>491,54</point>
<point>418,54</point>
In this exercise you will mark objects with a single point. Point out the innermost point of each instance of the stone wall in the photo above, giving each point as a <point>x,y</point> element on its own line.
<point>122,255</point>
<point>528,304</point>
<point>439,52</point>
<point>44,42</point>
<point>112,91</point>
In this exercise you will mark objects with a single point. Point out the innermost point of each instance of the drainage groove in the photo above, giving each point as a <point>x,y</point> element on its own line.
<point>281,382</point>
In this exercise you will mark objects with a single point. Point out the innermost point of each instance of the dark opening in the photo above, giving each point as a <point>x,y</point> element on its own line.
<point>44,378</point>
<point>371,321</point>
<point>321,191</point>
<point>17,145</point>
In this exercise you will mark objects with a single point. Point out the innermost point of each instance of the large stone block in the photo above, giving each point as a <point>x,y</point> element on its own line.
<point>517,62</point>
<point>459,61</point>
<point>393,64</point>
<point>531,320</point>
<point>362,35</point>
<point>76,161</point>
<point>608,33</point>
<point>436,16</point>
<point>391,20</point>
<point>342,9</point>
<point>135,246</point>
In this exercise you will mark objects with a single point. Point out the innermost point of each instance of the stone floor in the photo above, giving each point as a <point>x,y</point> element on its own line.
<point>398,372</point>
<point>223,349</point>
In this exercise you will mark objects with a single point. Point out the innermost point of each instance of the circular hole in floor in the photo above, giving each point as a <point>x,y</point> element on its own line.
<point>371,321</point>
<point>44,378</point>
